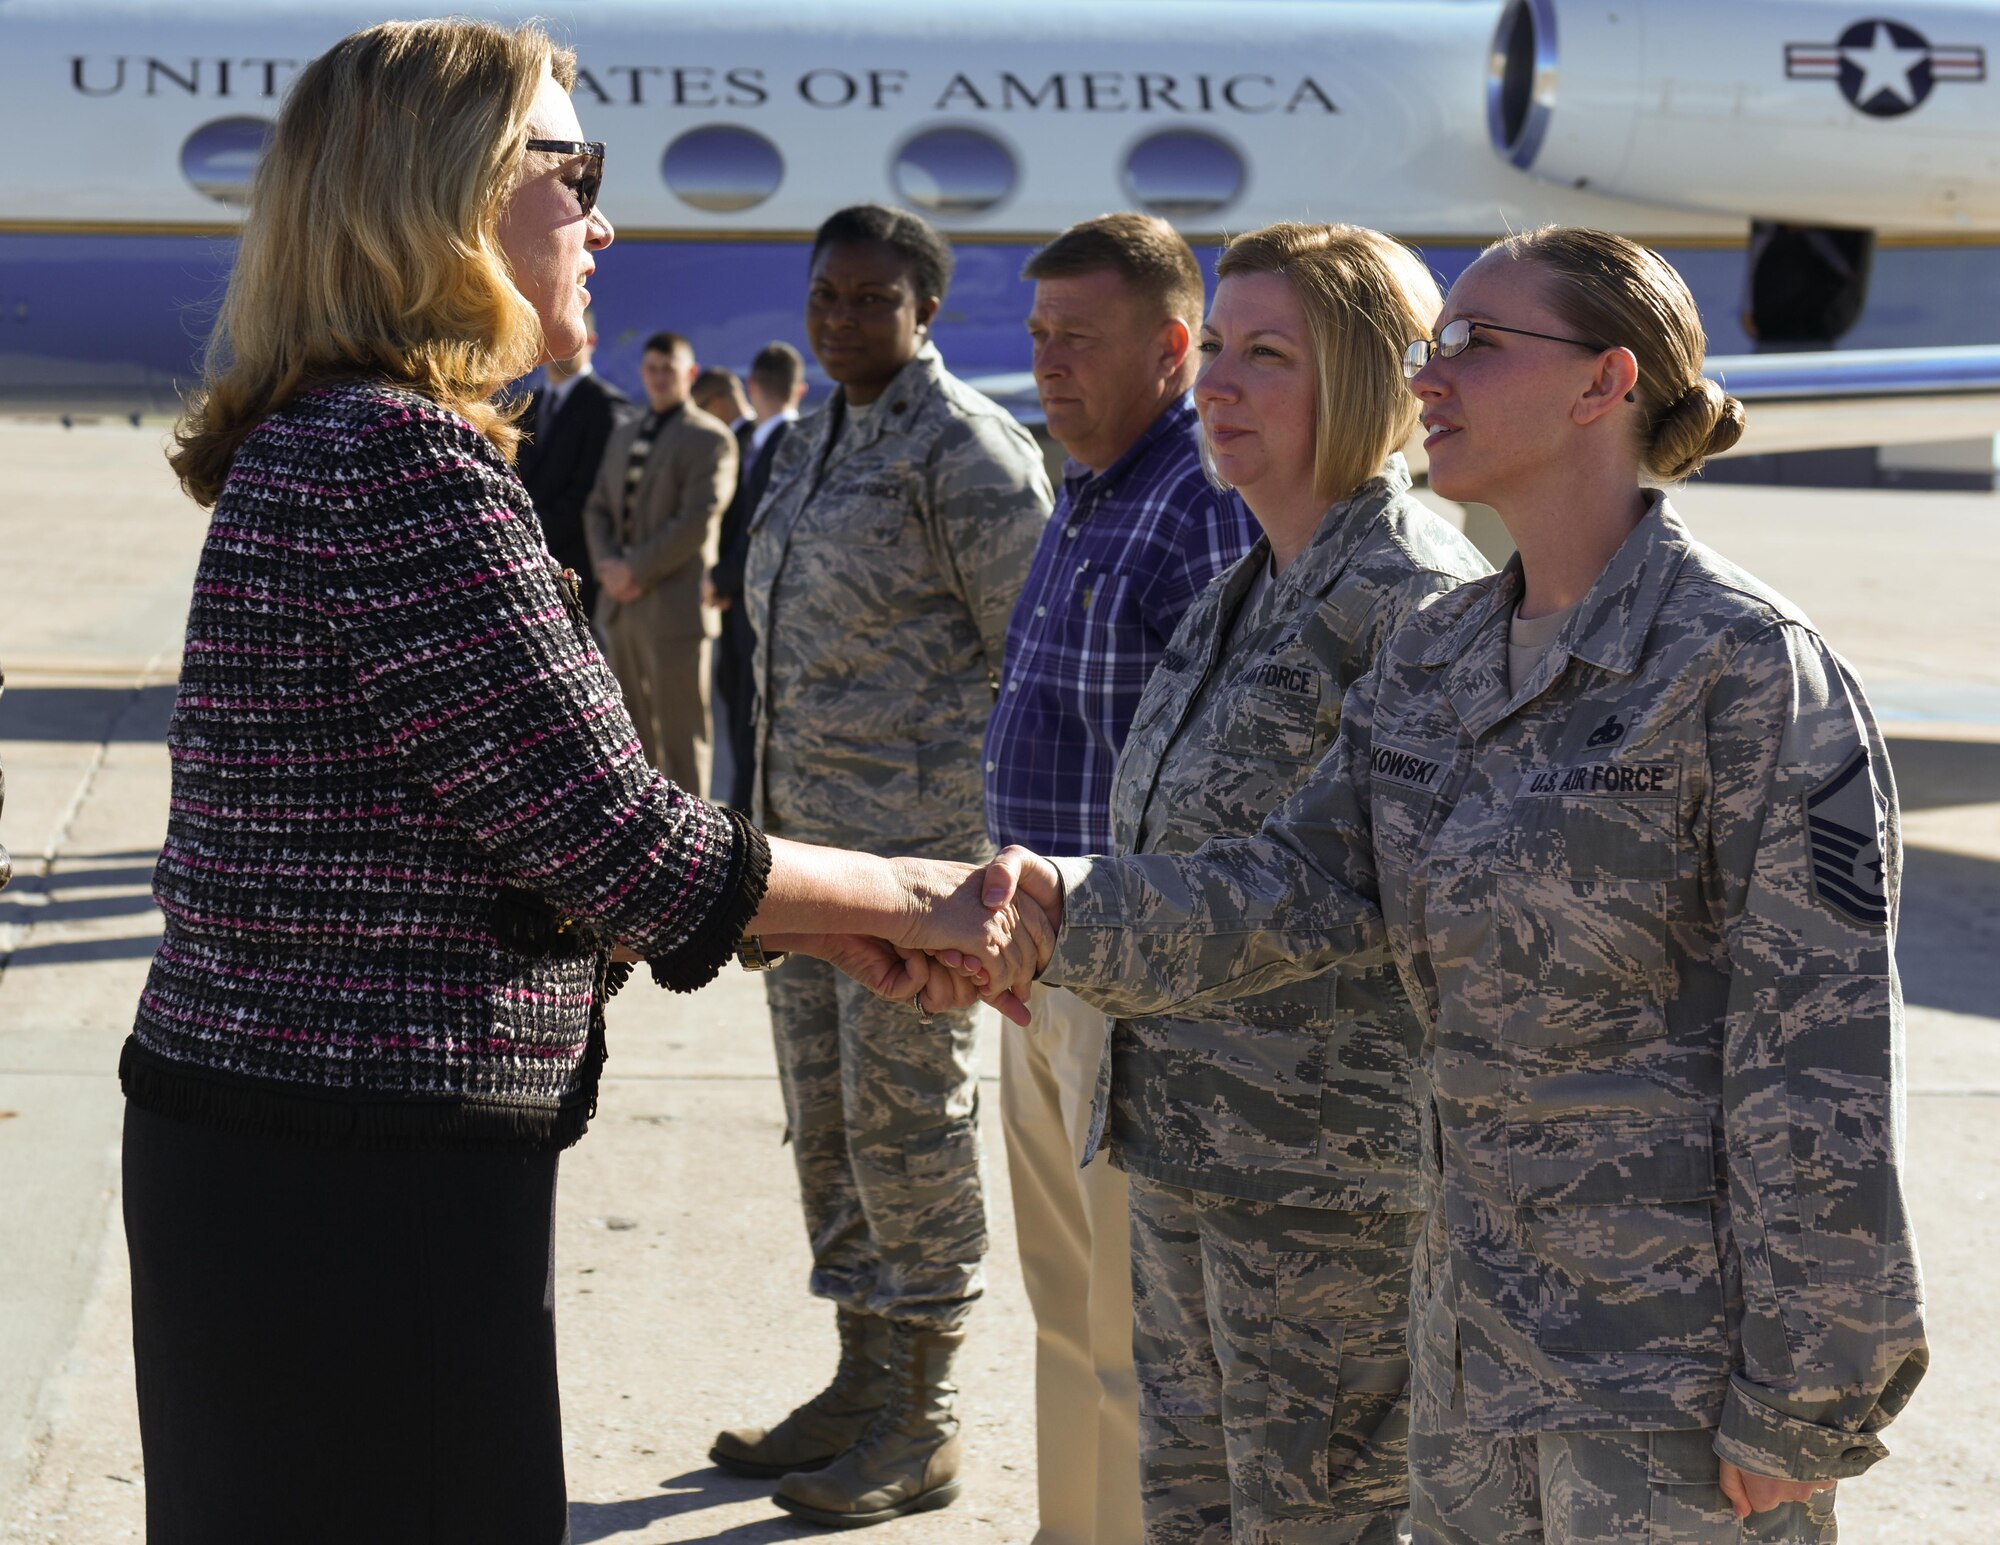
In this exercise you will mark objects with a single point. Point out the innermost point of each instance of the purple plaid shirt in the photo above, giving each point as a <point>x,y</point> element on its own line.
<point>1125,554</point>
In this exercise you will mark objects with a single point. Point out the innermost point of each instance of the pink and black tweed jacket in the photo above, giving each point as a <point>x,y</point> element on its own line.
<point>409,810</point>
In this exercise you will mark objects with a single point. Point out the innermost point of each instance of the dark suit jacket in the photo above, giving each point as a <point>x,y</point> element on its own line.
<point>735,679</point>
<point>668,533</point>
<point>559,473</point>
<point>735,538</point>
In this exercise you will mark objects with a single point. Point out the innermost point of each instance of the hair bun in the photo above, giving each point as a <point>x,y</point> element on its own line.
<point>1703,421</point>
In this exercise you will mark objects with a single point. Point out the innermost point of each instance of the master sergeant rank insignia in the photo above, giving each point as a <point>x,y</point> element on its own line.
<point>1844,826</point>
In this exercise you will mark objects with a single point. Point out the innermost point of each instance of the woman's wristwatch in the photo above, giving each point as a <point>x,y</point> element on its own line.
<point>752,956</point>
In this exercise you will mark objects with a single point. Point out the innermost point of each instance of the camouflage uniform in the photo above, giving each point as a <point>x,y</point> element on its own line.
<point>883,563</point>
<point>1272,1142</point>
<point>1644,906</point>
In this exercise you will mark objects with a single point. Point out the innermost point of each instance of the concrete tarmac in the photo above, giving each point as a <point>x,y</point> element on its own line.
<point>681,1262</point>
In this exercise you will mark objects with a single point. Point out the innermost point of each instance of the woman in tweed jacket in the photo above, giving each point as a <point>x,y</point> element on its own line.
<point>410,820</point>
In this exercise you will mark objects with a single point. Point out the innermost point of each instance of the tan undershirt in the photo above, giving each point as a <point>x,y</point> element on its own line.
<point>1528,639</point>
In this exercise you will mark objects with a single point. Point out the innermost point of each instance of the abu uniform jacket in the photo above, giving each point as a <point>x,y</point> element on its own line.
<point>1645,906</point>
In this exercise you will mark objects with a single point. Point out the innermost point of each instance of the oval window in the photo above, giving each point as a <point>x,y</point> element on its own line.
<point>219,158</point>
<point>1183,172</point>
<point>954,171</point>
<point>722,168</point>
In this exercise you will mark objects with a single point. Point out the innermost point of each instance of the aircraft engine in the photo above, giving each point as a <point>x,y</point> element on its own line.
<point>1774,110</point>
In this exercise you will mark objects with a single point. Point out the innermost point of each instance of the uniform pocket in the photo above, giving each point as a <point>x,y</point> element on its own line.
<point>1273,711</point>
<point>1621,1217</point>
<point>1582,887</point>
<point>870,521</point>
<point>1337,1421</point>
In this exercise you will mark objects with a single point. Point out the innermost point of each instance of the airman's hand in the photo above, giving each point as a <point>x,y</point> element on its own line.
<point>1749,1492</point>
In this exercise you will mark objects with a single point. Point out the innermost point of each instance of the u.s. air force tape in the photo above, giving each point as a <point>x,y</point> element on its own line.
<point>1627,780</point>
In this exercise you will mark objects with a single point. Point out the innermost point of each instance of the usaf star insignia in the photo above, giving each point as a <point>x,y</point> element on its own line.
<point>1844,828</point>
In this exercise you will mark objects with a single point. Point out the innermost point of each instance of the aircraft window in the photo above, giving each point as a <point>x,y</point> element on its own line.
<point>1183,172</point>
<point>722,168</point>
<point>219,158</point>
<point>954,171</point>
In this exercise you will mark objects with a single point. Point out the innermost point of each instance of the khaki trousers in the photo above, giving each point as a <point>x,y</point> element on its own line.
<point>1076,1259</point>
<point>665,681</point>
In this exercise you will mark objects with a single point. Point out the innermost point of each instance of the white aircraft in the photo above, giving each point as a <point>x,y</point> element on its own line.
<point>1820,171</point>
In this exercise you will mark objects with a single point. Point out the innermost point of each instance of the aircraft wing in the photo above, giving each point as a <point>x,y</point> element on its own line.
<point>1826,399</point>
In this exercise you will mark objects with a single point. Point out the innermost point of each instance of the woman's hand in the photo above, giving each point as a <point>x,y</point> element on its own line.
<point>1000,949</point>
<point>900,975</point>
<point>1748,1492</point>
<point>1028,884</point>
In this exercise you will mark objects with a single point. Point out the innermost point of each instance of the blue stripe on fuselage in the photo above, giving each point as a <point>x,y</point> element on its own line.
<point>114,322</point>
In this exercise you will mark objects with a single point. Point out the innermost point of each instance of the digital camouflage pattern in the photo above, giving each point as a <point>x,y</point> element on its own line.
<point>1666,1067</point>
<point>1273,1373</point>
<point>881,572</point>
<point>882,568</point>
<point>883,1111</point>
<point>1590,1488</point>
<point>1302,1094</point>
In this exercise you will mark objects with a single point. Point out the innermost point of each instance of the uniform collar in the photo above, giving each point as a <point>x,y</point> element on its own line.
<point>1175,422</point>
<point>1346,525</point>
<point>1339,536</point>
<point>903,398</point>
<point>1608,629</point>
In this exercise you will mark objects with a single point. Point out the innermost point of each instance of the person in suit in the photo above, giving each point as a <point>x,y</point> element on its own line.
<point>569,421</point>
<point>777,385</point>
<point>651,525</point>
<point>718,392</point>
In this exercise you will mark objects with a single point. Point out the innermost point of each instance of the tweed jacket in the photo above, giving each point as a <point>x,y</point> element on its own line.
<point>408,812</point>
<point>668,529</point>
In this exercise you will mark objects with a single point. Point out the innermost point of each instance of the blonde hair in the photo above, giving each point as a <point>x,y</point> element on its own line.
<point>1365,297</point>
<point>1608,288</point>
<point>371,246</point>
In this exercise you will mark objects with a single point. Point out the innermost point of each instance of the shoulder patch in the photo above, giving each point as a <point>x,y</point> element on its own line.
<point>1844,828</point>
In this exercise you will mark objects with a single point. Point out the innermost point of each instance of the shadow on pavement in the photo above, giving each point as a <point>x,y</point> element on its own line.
<point>1948,941</point>
<point>83,952</point>
<point>58,909</point>
<point>1933,774</point>
<point>116,713</point>
<point>683,1494</point>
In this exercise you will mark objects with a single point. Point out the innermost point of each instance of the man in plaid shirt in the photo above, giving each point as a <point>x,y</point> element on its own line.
<point>1138,531</point>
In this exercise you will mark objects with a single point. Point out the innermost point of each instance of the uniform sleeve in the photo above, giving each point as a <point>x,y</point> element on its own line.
<point>990,499</point>
<point>702,478</point>
<point>1804,861</point>
<point>434,584</point>
<point>1155,933</point>
<point>1211,530</point>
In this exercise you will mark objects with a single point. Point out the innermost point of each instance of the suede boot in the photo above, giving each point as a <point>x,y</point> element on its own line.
<point>907,1461</point>
<point>830,1422</point>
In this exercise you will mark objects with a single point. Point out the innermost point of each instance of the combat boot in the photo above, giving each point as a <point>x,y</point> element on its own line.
<point>907,1462</point>
<point>830,1422</point>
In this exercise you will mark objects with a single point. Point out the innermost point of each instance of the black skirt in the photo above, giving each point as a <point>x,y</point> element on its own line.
<point>337,1345</point>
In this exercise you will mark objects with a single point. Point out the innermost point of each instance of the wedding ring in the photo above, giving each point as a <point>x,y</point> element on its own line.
<point>923,1014</point>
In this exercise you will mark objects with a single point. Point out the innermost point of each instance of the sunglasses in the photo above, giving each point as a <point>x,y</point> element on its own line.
<point>1454,337</point>
<point>586,186</point>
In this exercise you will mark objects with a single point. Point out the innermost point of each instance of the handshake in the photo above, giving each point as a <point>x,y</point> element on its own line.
<point>935,934</point>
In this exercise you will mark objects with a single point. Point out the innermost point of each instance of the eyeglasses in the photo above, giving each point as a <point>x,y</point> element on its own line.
<point>1453,338</point>
<point>585,187</point>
